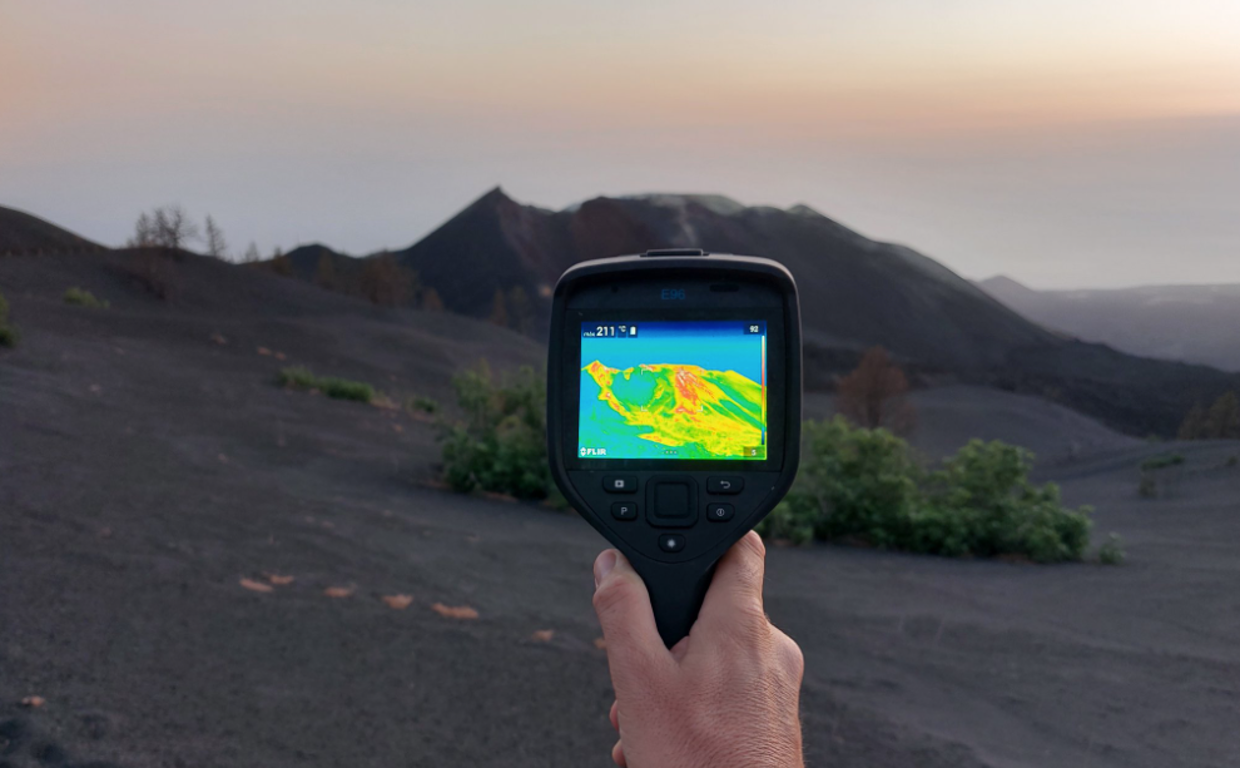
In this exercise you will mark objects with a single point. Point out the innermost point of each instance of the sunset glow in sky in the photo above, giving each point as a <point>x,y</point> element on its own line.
<point>1065,144</point>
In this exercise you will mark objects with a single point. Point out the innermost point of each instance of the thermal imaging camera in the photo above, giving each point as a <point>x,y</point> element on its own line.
<point>674,409</point>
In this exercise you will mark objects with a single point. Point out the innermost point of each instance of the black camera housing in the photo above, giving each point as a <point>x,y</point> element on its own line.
<point>713,502</point>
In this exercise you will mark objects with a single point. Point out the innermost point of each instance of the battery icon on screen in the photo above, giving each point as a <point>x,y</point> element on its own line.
<point>632,330</point>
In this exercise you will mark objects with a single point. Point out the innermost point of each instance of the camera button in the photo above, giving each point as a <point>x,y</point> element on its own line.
<point>620,483</point>
<point>672,542</point>
<point>725,484</point>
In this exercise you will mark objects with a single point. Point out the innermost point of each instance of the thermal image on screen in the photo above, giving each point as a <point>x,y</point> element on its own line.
<point>673,390</point>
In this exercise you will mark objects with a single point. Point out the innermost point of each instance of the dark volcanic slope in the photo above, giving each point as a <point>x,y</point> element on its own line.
<point>1193,323</point>
<point>23,233</point>
<point>858,292</point>
<point>145,470</point>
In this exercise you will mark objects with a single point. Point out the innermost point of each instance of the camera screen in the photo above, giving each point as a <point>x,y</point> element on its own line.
<point>673,390</point>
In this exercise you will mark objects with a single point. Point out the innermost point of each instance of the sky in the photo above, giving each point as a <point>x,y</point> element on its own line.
<point>1066,144</point>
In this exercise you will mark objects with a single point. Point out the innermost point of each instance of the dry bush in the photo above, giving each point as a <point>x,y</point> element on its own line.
<point>875,394</point>
<point>385,282</point>
<point>155,270</point>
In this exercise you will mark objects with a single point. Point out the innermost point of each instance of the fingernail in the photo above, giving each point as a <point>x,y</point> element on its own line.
<point>603,565</point>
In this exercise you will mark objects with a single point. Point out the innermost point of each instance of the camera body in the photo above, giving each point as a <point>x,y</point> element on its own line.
<point>674,409</point>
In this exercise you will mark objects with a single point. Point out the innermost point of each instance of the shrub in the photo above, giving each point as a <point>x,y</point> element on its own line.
<point>421,404</point>
<point>860,484</point>
<point>1232,461</point>
<point>875,394</point>
<point>8,334</point>
<point>298,377</point>
<point>155,270</point>
<point>500,444</point>
<point>343,389</point>
<point>1112,551</point>
<point>82,298</point>
<point>1162,461</point>
<point>1147,486</point>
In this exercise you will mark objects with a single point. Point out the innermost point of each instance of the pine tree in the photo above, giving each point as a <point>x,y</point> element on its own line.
<point>1223,420</point>
<point>325,272</point>
<point>216,245</point>
<point>1194,424</point>
<point>431,301</point>
<point>521,309</point>
<point>499,309</point>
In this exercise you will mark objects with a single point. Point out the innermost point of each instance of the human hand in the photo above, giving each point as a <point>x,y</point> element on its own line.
<point>726,696</point>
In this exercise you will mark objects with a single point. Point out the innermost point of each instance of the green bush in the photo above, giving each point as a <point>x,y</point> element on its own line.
<point>421,404</point>
<point>343,389</point>
<point>82,298</point>
<point>1112,552</point>
<point>1162,461</point>
<point>500,444</point>
<point>864,485</point>
<point>1147,486</point>
<point>299,377</point>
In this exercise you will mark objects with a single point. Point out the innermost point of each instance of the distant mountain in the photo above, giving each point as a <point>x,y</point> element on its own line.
<point>21,233</point>
<point>1193,323</point>
<point>306,260</point>
<point>858,292</point>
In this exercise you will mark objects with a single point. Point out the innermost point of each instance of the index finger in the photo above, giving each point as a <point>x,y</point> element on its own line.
<point>735,594</point>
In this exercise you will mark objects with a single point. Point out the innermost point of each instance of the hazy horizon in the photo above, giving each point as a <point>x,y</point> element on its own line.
<point>1065,147</point>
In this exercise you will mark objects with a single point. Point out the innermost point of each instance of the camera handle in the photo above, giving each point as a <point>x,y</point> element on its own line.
<point>676,594</point>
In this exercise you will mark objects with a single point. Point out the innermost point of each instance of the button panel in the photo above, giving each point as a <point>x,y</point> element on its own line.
<point>630,515</point>
<point>620,483</point>
<point>717,512</point>
<point>725,485</point>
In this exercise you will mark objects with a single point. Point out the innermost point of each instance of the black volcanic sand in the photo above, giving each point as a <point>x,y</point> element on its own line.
<point>145,470</point>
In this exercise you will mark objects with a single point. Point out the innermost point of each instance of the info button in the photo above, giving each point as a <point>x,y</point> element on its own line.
<point>719,513</point>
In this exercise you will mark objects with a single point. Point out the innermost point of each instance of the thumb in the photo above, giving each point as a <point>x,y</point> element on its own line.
<point>634,648</point>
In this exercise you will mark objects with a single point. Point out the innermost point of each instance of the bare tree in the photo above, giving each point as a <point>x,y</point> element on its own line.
<point>873,395</point>
<point>252,256</point>
<point>173,228</point>
<point>217,246</point>
<point>144,233</point>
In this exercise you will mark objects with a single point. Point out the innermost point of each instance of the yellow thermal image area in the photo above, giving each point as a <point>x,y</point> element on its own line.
<point>695,412</point>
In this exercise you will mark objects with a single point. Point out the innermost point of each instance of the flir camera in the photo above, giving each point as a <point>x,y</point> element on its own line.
<point>674,409</point>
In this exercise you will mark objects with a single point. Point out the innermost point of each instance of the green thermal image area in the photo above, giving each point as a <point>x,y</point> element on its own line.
<point>703,412</point>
